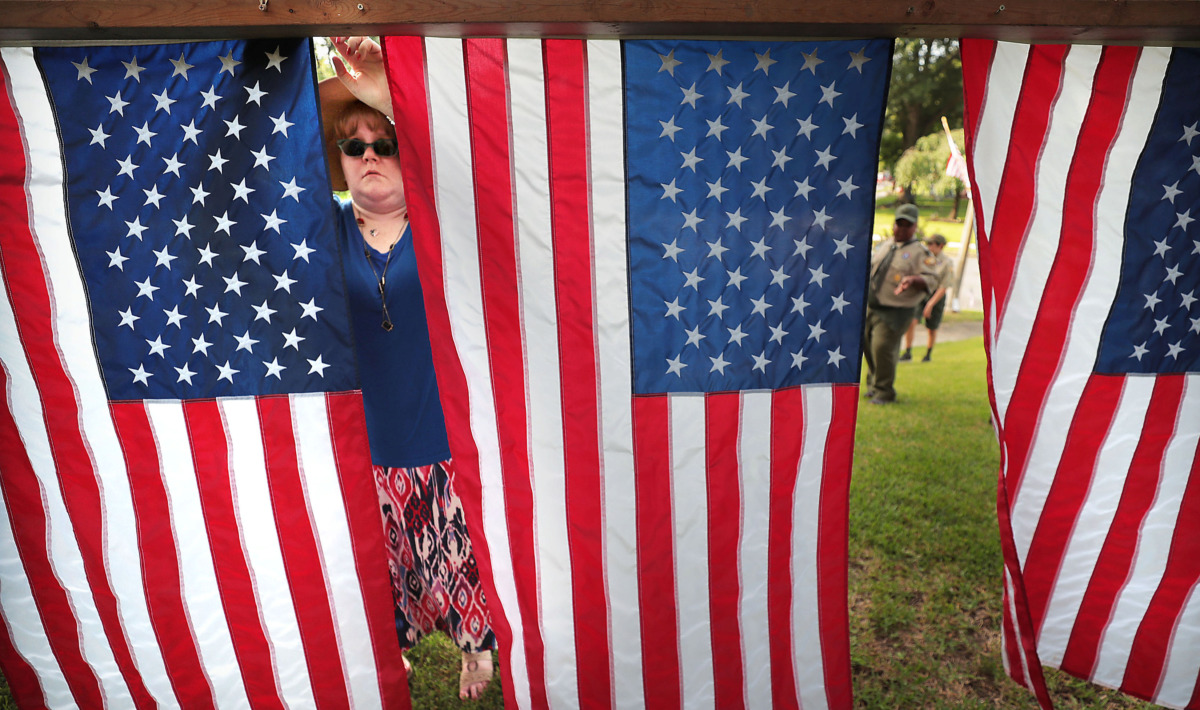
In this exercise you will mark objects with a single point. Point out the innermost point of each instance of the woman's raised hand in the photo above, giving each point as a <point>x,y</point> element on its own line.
<point>359,64</point>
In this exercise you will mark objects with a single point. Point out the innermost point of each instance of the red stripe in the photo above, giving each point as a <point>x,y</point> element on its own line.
<point>1031,120</point>
<point>833,547</point>
<point>405,59</point>
<point>722,425</point>
<point>211,459</point>
<point>1015,203</point>
<point>1072,480</point>
<point>487,101</point>
<point>565,69</point>
<point>160,561</point>
<point>301,553</point>
<point>1012,644</point>
<point>656,552</point>
<point>977,57</point>
<point>787,418</point>
<point>348,430</point>
<point>30,295</point>
<point>1021,637</point>
<point>1116,556</point>
<point>1147,657</point>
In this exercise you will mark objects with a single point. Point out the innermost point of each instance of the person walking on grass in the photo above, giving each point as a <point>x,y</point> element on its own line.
<point>900,277</point>
<point>931,308</point>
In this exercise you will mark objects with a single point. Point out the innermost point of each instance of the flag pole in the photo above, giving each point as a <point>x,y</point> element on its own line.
<point>964,239</point>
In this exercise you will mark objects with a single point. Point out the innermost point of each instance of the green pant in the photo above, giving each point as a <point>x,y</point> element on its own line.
<point>882,333</point>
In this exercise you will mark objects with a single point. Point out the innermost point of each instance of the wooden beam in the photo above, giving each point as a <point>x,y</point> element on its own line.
<point>1126,21</point>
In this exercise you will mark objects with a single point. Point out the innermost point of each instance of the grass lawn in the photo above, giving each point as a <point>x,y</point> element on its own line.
<point>925,567</point>
<point>925,562</point>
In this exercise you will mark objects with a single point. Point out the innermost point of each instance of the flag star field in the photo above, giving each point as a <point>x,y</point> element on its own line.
<point>751,203</point>
<point>1154,326</point>
<point>202,218</point>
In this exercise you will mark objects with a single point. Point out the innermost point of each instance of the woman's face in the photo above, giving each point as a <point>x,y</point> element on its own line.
<point>373,180</point>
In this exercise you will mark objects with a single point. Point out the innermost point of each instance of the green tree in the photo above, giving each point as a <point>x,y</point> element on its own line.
<point>922,168</point>
<point>926,85</point>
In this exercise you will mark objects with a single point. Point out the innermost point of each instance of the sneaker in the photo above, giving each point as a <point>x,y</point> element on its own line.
<point>928,356</point>
<point>906,356</point>
<point>880,400</point>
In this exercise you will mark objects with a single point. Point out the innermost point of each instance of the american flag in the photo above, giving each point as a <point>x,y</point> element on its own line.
<point>188,518</point>
<point>956,164</point>
<point>644,264</point>
<point>1086,167</point>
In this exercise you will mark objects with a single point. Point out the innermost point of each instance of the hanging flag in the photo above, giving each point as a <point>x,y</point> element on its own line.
<point>189,518</point>
<point>956,166</point>
<point>1086,176</point>
<point>644,264</point>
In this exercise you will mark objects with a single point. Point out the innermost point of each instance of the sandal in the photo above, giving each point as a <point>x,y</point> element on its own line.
<point>476,674</point>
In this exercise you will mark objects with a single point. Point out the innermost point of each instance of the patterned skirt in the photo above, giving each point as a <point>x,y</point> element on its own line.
<point>435,581</point>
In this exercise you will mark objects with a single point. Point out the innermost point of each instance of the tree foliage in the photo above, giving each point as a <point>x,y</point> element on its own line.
<point>923,166</point>
<point>926,85</point>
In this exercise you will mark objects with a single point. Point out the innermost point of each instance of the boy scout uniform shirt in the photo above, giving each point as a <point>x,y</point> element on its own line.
<point>942,266</point>
<point>911,259</point>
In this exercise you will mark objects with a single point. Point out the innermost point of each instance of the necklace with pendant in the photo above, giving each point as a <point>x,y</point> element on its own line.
<point>381,278</point>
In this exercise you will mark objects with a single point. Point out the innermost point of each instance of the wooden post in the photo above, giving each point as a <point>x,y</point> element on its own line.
<point>964,240</point>
<point>1094,21</point>
<point>965,246</point>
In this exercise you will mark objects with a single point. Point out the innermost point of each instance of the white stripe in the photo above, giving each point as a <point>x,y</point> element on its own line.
<point>539,334</point>
<point>1179,680</point>
<point>197,574</point>
<point>1011,607</point>
<point>1087,323</point>
<point>323,491</point>
<point>1041,242</point>
<point>45,194</point>
<point>606,160</point>
<point>260,540</point>
<point>1095,520</point>
<point>995,129</point>
<point>453,176</point>
<point>806,523</point>
<point>754,463</point>
<point>1154,541</point>
<point>689,516</point>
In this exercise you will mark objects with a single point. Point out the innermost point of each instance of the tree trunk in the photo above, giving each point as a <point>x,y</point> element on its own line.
<point>957,197</point>
<point>912,126</point>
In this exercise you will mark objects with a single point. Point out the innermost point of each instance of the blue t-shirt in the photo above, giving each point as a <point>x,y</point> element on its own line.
<point>404,416</point>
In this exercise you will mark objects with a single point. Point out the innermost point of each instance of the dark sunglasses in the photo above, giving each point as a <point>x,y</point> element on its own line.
<point>353,147</point>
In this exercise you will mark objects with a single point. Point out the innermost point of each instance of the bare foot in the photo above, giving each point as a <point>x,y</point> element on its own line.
<point>476,674</point>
